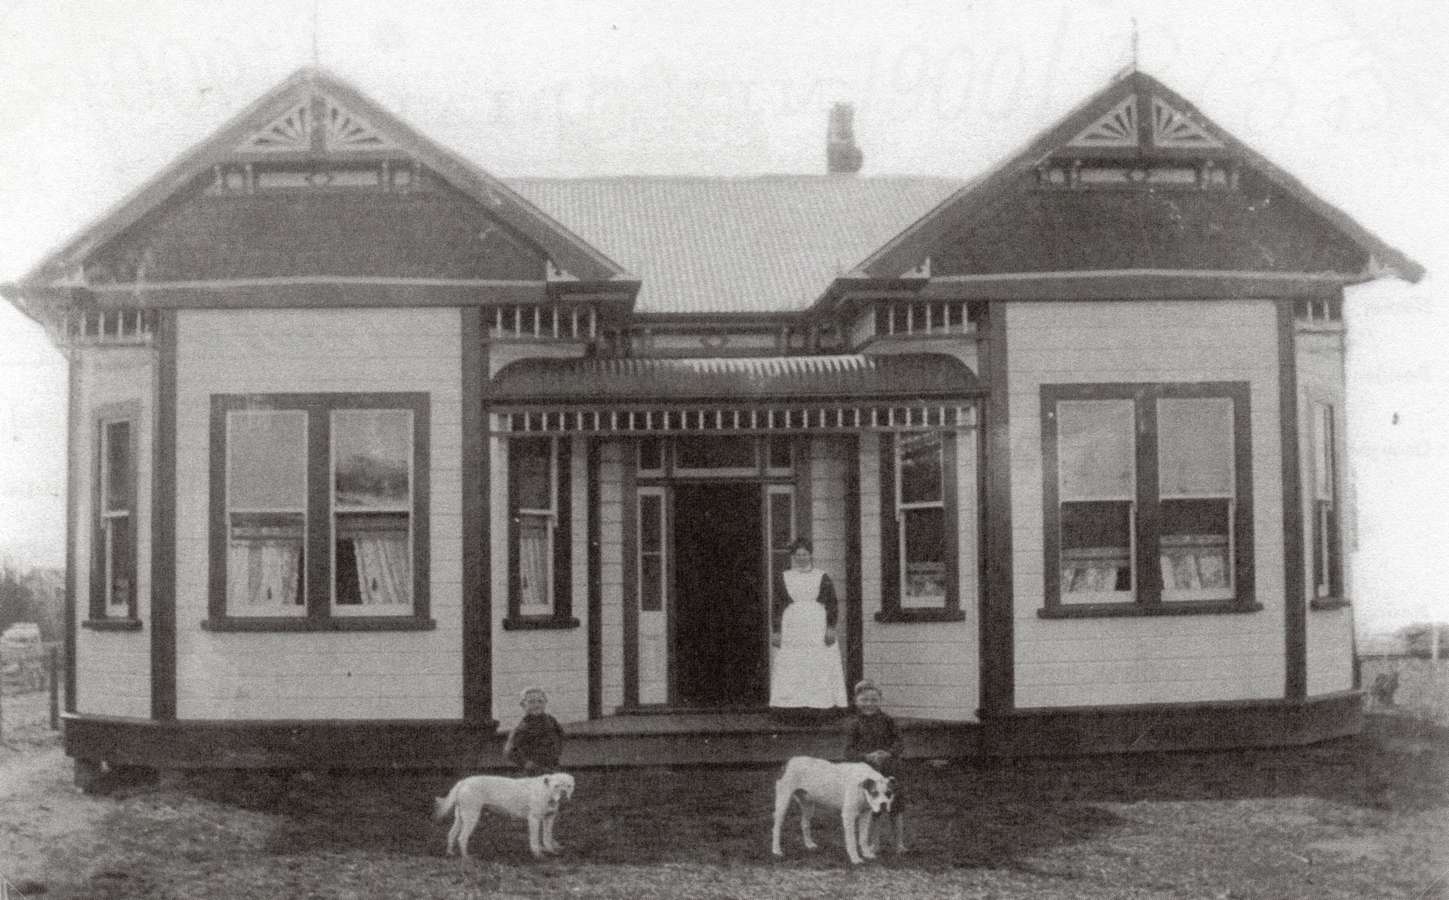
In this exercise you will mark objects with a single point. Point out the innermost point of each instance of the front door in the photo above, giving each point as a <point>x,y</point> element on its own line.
<point>720,622</point>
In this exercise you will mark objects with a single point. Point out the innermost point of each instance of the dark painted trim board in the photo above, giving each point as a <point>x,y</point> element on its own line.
<point>72,514</point>
<point>998,657</point>
<point>163,523</point>
<point>477,649</point>
<point>1295,613</point>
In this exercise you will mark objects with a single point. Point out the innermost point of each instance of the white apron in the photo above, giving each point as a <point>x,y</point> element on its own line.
<point>804,672</point>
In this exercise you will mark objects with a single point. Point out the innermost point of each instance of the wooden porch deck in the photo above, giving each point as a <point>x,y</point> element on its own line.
<point>738,738</point>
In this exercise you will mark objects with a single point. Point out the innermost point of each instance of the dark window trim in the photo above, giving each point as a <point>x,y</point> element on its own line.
<point>1337,596</point>
<point>1148,572</point>
<point>103,624</point>
<point>310,623</point>
<point>562,616</point>
<point>109,414</point>
<point>318,554</point>
<point>891,610</point>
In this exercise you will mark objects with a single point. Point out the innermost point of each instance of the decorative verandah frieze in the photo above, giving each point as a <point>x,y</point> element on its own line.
<point>735,419</point>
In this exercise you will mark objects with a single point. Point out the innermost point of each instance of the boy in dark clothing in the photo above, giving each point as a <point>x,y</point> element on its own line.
<point>535,743</point>
<point>874,739</point>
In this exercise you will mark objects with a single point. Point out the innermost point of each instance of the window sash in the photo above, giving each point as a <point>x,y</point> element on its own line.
<point>919,567</point>
<point>780,507</point>
<point>653,587</point>
<point>1325,536</point>
<point>539,532</point>
<point>371,497</point>
<point>1185,513</point>
<point>114,566</point>
<point>319,506</point>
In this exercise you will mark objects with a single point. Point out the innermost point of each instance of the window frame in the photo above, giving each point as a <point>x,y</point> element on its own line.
<point>1147,506</point>
<point>319,539</point>
<point>101,614</point>
<point>560,524</point>
<point>1326,587</point>
<point>892,534</point>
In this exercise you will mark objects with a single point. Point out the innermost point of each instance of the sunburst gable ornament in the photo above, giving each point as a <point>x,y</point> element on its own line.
<point>1118,128</point>
<point>320,124</point>
<point>1173,128</point>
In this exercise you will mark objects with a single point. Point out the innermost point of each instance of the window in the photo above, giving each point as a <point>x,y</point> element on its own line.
<point>113,554</point>
<point>1147,498</point>
<point>319,511</point>
<point>540,517</point>
<point>780,510</point>
<point>918,527</point>
<point>1327,537</point>
<point>652,589</point>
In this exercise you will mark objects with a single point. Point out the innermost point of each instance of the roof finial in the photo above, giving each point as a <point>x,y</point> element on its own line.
<point>1135,37</point>
<point>316,55</point>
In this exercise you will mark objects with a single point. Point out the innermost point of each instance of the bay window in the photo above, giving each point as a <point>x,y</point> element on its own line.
<point>1147,495</point>
<point>319,511</point>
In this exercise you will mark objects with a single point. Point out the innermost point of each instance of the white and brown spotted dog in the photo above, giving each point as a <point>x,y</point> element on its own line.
<point>533,799</point>
<point>858,791</point>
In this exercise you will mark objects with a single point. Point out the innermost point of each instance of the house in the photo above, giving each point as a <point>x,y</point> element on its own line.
<point>364,440</point>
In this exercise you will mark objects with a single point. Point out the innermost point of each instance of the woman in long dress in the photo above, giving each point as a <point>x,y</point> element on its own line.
<point>806,673</point>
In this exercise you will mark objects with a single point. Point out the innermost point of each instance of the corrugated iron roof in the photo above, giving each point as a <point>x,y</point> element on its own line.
<point>854,376</point>
<point>735,245</point>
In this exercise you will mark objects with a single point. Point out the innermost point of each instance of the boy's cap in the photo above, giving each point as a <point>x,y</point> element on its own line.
<point>532,690</point>
<point>865,684</point>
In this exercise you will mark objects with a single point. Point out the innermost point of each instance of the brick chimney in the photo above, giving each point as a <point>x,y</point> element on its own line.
<point>842,157</point>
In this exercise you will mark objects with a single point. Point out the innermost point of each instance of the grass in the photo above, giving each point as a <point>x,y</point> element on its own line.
<point>1359,817</point>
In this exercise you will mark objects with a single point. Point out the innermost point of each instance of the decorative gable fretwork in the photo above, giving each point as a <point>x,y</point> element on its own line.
<point>1118,128</point>
<point>320,125</point>
<point>1174,130</point>
<point>251,178</point>
<point>1169,128</point>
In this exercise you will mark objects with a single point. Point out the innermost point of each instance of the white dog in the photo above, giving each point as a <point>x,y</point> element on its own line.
<point>535,799</point>
<point>858,791</point>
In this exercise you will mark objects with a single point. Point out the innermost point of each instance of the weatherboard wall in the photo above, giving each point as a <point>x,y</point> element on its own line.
<point>555,659</point>
<point>113,667</point>
<point>1329,626</point>
<point>1087,662</point>
<point>318,674</point>
<point>927,670</point>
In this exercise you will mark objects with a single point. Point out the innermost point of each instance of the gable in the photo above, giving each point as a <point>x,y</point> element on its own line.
<point>316,179</point>
<point>1253,227</point>
<point>301,222</point>
<point>1136,178</point>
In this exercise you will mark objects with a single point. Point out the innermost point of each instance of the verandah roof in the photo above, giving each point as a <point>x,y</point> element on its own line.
<point>852,377</point>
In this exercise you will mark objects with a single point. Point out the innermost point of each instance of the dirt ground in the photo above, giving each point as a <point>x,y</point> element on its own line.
<point>1366,817</point>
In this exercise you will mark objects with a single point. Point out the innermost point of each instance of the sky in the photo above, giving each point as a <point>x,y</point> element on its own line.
<point>1349,96</point>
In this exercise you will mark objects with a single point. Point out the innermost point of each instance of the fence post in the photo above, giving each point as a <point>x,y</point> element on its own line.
<point>53,664</point>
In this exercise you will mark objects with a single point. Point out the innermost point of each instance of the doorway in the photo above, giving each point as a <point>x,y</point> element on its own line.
<point>720,624</point>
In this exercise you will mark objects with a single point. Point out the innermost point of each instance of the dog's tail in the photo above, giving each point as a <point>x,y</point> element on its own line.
<point>444,805</point>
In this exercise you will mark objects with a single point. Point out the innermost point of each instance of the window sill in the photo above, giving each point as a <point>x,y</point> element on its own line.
<point>1329,603</point>
<point>900,616</point>
<point>301,623</point>
<point>111,624</point>
<point>539,623</point>
<point>1181,608</point>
